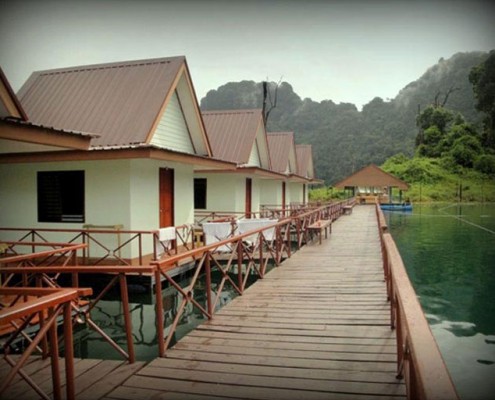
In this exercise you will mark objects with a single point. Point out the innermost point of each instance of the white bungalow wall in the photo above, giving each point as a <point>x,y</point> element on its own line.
<point>120,192</point>
<point>227,192</point>
<point>296,192</point>
<point>271,192</point>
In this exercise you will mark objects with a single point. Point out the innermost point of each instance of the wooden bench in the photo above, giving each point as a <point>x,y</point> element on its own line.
<point>320,226</point>
<point>347,210</point>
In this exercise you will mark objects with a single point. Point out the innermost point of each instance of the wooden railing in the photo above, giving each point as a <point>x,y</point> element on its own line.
<point>48,276</point>
<point>96,240</point>
<point>47,304</point>
<point>419,360</point>
<point>250,252</point>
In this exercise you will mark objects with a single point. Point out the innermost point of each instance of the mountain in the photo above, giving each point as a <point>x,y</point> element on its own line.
<point>345,139</point>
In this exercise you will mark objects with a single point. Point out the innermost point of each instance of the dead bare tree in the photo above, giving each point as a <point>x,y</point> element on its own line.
<point>451,90</point>
<point>436,102</point>
<point>267,98</point>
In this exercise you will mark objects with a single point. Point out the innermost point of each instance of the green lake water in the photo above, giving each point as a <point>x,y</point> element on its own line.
<point>449,254</point>
<point>108,315</point>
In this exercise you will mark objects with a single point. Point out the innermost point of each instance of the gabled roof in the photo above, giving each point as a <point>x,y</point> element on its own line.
<point>18,135</point>
<point>233,134</point>
<point>121,102</point>
<point>9,104</point>
<point>372,176</point>
<point>282,152</point>
<point>305,164</point>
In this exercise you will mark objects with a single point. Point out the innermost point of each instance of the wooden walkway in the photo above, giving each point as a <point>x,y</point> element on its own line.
<point>317,327</point>
<point>94,378</point>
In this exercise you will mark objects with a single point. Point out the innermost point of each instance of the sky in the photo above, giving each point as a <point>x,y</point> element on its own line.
<point>346,51</point>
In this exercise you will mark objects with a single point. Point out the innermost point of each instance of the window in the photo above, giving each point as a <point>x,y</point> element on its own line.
<point>200,193</point>
<point>61,196</point>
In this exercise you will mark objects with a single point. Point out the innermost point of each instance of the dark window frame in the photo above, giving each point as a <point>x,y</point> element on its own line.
<point>60,196</point>
<point>200,193</point>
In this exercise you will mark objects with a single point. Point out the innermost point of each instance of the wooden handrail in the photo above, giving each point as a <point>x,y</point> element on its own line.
<point>46,253</point>
<point>419,358</point>
<point>85,269</point>
<point>53,302</point>
<point>48,298</point>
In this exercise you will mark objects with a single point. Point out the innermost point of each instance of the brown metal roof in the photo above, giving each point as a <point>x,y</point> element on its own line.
<point>118,101</point>
<point>372,176</point>
<point>280,145</point>
<point>232,133</point>
<point>304,153</point>
<point>9,103</point>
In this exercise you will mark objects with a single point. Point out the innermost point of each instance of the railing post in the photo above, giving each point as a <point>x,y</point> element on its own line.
<point>159,312</point>
<point>262,262</point>
<point>127,316</point>
<point>52,332</point>
<point>140,241</point>
<point>239,266</point>
<point>401,353</point>
<point>69,351</point>
<point>209,303</point>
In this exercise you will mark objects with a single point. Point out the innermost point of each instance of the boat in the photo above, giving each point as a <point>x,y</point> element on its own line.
<point>396,206</point>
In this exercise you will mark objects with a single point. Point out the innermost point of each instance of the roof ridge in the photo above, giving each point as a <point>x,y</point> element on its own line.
<point>234,111</point>
<point>110,65</point>
<point>280,133</point>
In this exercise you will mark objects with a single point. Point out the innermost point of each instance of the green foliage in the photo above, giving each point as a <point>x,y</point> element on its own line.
<point>465,150</point>
<point>345,139</point>
<point>440,179</point>
<point>326,193</point>
<point>482,77</point>
<point>418,169</point>
<point>485,164</point>
<point>435,116</point>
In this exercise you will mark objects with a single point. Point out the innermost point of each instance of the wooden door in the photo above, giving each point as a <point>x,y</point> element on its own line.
<point>249,189</point>
<point>283,197</point>
<point>166,197</point>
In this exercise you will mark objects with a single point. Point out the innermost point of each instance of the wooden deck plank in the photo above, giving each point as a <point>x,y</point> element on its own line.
<point>281,361</point>
<point>243,391</point>
<point>281,345</point>
<point>292,339</point>
<point>235,378</point>
<point>110,381</point>
<point>266,351</point>
<point>280,371</point>
<point>133,393</point>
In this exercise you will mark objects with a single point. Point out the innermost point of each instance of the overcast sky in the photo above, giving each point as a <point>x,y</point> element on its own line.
<point>346,51</point>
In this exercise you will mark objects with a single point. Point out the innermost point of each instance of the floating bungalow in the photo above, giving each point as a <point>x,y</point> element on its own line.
<point>305,169</point>
<point>111,146</point>
<point>284,161</point>
<point>239,137</point>
<point>371,184</point>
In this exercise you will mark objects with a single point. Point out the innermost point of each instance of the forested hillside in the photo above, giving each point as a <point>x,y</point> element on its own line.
<point>345,139</point>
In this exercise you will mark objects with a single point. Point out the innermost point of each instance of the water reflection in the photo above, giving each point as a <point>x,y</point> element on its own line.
<point>108,315</point>
<point>449,253</point>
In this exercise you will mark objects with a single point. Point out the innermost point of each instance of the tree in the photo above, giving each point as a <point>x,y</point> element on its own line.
<point>485,163</point>
<point>438,116</point>
<point>483,79</point>
<point>465,150</point>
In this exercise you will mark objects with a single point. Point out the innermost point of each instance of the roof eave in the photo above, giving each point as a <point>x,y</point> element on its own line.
<point>117,153</point>
<point>36,134</point>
